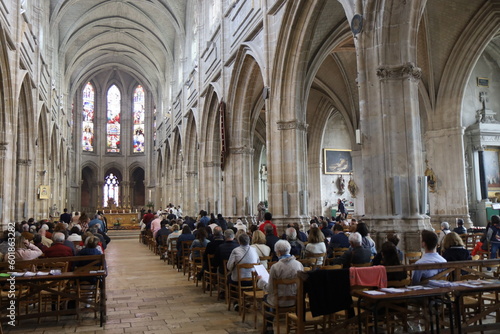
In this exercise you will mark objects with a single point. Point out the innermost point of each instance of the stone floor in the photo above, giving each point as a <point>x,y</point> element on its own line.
<point>147,296</point>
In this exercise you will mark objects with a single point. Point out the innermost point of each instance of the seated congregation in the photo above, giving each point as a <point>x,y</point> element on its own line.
<point>228,260</point>
<point>59,267</point>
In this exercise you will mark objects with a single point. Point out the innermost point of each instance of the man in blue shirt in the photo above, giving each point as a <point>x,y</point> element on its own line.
<point>338,240</point>
<point>429,243</point>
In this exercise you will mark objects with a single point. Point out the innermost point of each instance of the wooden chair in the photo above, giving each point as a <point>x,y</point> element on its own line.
<point>209,275</point>
<point>222,282</point>
<point>254,297</point>
<point>235,291</point>
<point>367,264</point>
<point>264,260</point>
<point>309,263</point>
<point>277,310</point>
<point>172,251</point>
<point>183,257</point>
<point>338,252</point>
<point>196,263</point>
<point>331,267</point>
<point>47,300</point>
<point>163,247</point>
<point>411,258</point>
<point>302,320</point>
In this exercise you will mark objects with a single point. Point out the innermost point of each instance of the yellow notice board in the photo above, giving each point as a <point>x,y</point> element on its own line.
<point>44,192</point>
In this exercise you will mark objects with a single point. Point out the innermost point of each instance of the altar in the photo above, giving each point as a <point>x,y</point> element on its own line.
<point>122,220</point>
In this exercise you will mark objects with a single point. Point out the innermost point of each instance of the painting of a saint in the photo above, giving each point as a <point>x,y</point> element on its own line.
<point>337,161</point>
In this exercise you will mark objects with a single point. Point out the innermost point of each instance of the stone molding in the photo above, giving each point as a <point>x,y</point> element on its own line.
<point>3,146</point>
<point>404,71</point>
<point>178,180</point>
<point>211,164</point>
<point>241,150</point>
<point>445,132</point>
<point>292,125</point>
<point>24,162</point>
<point>191,173</point>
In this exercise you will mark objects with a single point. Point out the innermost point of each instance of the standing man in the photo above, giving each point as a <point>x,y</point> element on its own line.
<point>65,217</point>
<point>341,208</point>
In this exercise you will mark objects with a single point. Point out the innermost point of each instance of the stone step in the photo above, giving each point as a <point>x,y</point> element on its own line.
<point>123,234</point>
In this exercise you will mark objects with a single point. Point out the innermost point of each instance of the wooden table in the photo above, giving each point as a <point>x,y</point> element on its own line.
<point>430,297</point>
<point>37,284</point>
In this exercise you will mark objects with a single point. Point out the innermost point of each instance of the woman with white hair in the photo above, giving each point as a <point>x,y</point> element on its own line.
<point>286,268</point>
<point>445,229</point>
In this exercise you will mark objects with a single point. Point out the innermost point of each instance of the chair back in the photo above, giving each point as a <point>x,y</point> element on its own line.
<point>186,247</point>
<point>338,252</point>
<point>241,269</point>
<point>412,257</point>
<point>284,300</point>
<point>367,264</point>
<point>399,284</point>
<point>331,267</point>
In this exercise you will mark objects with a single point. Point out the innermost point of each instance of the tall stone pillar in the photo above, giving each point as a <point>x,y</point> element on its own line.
<point>287,173</point>
<point>241,182</point>
<point>4,191</point>
<point>315,205</point>
<point>445,152</point>
<point>389,119</point>
<point>190,192</point>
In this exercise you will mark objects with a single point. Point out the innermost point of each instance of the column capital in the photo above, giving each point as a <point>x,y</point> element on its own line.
<point>3,146</point>
<point>403,71</point>
<point>291,125</point>
<point>191,173</point>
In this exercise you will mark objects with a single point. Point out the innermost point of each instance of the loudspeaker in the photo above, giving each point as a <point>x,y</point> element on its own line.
<point>235,212</point>
<point>358,136</point>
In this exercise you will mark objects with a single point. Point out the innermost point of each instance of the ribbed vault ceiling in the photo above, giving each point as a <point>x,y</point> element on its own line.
<point>138,37</point>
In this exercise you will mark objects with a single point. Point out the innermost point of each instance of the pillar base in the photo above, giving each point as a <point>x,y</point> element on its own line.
<point>408,230</point>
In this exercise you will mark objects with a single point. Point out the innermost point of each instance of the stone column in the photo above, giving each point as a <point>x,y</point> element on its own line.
<point>4,192</point>
<point>21,190</point>
<point>315,205</point>
<point>240,182</point>
<point>287,173</point>
<point>125,186</point>
<point>389,119</point>
<point>190,192</point>
<point>445,152</point>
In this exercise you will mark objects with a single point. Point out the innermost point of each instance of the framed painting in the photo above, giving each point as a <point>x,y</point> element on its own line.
<point>44,192</point>
<point>337,161</point>
<point>492,170</point>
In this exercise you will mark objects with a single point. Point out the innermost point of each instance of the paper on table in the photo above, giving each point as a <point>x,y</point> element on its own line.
<point>374,292</point>
<point>262,272</point>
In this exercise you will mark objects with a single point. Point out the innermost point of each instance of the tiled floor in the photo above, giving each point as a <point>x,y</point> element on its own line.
<point>147,296</point>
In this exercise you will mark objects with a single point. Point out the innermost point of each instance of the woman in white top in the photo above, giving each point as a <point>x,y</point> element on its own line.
<point>259,243</point>
<point>445,229</point>
<point>315,244</point>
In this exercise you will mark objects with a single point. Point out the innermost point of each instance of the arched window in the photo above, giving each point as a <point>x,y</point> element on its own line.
<point>111,191</point>
<point>139,113</point>
<point>88,118</point>
<point>113,125</point>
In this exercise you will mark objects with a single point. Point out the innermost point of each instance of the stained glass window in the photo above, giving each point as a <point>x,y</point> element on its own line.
<point>88,118</point>
<point>111,191</point>
<point>139,113</point>
<point>113,125</point>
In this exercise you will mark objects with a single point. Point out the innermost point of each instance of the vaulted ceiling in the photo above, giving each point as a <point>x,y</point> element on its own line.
<point>138,37</point>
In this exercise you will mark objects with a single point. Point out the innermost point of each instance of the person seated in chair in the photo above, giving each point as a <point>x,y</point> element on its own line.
<point>429,244</point>
<point>286,268</point>
<point>460,229</point>
<point>357,254</point>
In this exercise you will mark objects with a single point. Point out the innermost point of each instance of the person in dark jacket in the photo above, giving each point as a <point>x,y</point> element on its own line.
<point>356,255</point>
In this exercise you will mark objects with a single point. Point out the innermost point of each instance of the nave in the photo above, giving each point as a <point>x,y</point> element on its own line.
<point>145,295</point>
